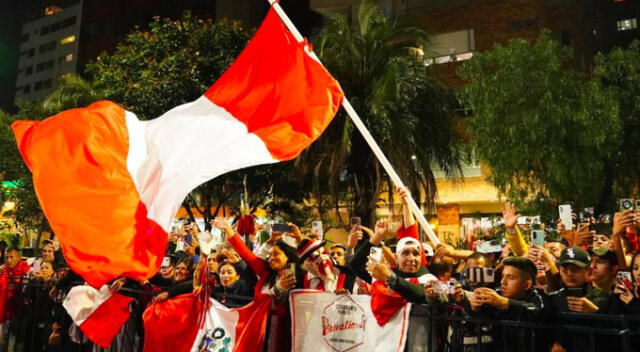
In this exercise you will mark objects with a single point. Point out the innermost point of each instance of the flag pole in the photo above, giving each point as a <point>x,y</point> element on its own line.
<point>415,209</point>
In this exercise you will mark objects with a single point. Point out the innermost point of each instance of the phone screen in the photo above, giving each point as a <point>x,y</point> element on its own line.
<point>537,237</point>
<point>355,222</point>
<point>279,227</point>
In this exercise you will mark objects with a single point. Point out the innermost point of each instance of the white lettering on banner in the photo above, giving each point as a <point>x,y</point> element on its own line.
<point>343,323</point>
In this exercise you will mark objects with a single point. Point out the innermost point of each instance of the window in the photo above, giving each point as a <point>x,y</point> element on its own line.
<point>43,66</point>
<point>24,38</point>
<point>451,47</point>
<point>67,40</point>
<point>31,52</point>
<point>628,24</point>
<point>37,86</point>
<point>51,10</point>
<point>26,89</point>
<point>47,83</point>
<point>28,71</point>
<point>69,22</point>
<point>56,26</point>
<point>44,30</point>
<point>68,58</point>
<point>47,47</point>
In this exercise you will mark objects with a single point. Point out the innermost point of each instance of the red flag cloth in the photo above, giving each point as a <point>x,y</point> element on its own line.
<point>174,325</point>
<point>106,321</point>
<point>98,313</point>
<point>385,302</point>
<point>412,231</point>
<point>110,184</point>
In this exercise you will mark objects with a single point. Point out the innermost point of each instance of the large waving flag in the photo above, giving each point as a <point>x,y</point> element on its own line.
<point>110,184</point>
<point>174,325</point>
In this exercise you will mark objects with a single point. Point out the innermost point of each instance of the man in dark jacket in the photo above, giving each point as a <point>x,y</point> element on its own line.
<point>517,299</point>
<point>576,295</point>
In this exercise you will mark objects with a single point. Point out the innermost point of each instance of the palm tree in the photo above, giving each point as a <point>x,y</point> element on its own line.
<point>71,92</point>
<point>407,112</point>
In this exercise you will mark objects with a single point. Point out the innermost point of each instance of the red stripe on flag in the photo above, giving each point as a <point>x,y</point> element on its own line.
<point>105,322</point>
<point>278,91</point>
<point>172,325</point>
<point>252,325</point>
<point>79,163</point>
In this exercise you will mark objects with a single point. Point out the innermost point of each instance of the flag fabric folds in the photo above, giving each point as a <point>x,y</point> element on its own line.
<point>174,325</point>
<point>98,313</point>
<point>111,184</point>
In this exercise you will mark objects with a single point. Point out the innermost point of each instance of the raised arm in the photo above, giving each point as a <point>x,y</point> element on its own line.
<point>255,263</point>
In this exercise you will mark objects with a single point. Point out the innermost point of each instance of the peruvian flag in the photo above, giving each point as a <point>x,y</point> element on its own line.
<point>190,324</point>
<point>98,313</point>
<point>111,184</point>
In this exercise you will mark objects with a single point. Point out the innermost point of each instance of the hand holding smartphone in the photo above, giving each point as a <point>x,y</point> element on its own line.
<point>355,222</point>
<point>376,254</point>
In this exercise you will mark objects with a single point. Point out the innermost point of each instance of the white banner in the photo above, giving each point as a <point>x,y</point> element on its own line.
<point>339,323</point>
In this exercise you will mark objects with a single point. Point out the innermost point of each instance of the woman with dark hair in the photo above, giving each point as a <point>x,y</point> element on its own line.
<point>233,288</point>
<point>276,276</point>
<point>181,283</point>
<point>626,299</point>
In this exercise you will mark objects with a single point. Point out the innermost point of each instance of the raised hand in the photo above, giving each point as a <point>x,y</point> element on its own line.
<point>509,215</point>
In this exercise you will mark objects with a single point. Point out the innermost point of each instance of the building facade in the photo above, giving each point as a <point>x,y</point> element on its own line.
<point>48,50</point>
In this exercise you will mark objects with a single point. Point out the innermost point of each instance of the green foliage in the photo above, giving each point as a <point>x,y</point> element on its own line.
<point>173,63</point>
<point>619,72</point>
<point>544,129</point>
<point>409,114</point>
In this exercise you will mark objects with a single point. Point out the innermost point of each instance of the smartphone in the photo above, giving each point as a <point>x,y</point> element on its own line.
<point>537,237</point>
<point>188,239</point>
<point>179,246</point>
<point>37,264</point>
<point>492,246</point>
<point>280,227</point>
<point>356,222</point>
<point>565,215</point>
<point>575,292</point>
<point>626,204</point>
<point>166,261</point>
<point>624,277</point>
<point>376,254</point>
<point>317,230</point>
<point>291,269</point>
<point>480,275</point>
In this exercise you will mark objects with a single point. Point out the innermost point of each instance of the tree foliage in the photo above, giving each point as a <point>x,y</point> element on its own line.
<point>406,111</point>
<point>619,73</point>
<point>545,130</point>
<point>172,63</point>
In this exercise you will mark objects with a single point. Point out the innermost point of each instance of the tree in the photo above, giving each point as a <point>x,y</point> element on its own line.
<point>619,73</point>
<point>171,64</point>
<point>538,124</point>
<point>408,113</point>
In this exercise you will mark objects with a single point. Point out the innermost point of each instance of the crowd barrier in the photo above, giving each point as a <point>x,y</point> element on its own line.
<point>30,331</point>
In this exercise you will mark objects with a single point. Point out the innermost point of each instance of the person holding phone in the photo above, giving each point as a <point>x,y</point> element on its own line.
<point>577,295</point>
<point>274,281</point>
<point>626,291</point>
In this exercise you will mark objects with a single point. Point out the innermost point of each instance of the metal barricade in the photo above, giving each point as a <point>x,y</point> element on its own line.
<point>617,332</point>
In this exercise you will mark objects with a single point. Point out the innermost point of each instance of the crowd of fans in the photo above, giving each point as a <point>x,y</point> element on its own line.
<point>516,279</point>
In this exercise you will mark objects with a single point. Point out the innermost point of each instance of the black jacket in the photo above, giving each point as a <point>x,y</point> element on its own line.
<point>410,291</point>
